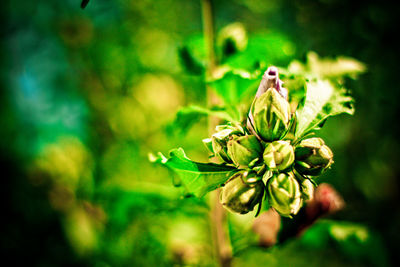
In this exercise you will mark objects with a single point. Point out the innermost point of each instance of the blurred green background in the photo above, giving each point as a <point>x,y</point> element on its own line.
<point>86,94</point>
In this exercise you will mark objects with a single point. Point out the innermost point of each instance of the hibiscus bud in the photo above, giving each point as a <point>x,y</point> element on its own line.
<point>307,189</point>
<point>220,149</point>
<point>240,196</point>
<point>269,80</point>
<point>220,138</point>
<point>244,149</point>
<point>270,115</point>
<point>313,157</point>
<point>279,155</point>
<point>208,144</point>
<point>284,194</point>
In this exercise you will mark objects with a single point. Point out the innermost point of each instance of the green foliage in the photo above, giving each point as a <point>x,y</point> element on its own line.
<point>322,100</point>
<point>325,94</point>
<point>89,92</point>
<point>187,116</point>
<point>234,86</point>
<point>355,240</point>
<point>263,48</point>
<point>196,178</point>
<point>256,147</point>
<point>327,68</point>
<point>190,63</point>
<point>192,55</point>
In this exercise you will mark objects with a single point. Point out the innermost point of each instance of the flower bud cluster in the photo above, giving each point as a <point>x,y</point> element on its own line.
<point>268,163</point>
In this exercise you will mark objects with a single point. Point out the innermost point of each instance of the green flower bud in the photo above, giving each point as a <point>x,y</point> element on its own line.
<point>208,144</point>
<point>220,149</point>
<point>244,149</point>
<point>279,155</point>
<point>284,194</point>
<point>220,138</point>
<point>270,115</point>
<point>239,196</point>
<point>236,129</point>
<point>313,157</point>
<point>307,189</point>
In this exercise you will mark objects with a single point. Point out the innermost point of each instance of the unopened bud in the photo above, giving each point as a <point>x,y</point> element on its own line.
<point>271,79</point>
<point>284,194</point>
<point>270,115</point>
<point>220,138</point>
<point>307,189</point>
<point>313,157</point>
<point>208,144</point>
<point>244,149</point>
<point>279,155</point>
<point>240,196</point>
<point>220,149</point>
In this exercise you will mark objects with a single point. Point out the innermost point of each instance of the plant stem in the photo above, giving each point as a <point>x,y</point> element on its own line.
<point>208,32</point>
<point>220,234</point>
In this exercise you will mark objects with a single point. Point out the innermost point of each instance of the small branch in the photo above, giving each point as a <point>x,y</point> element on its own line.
<point>220,233</point>
<point>208,30</point>
<point>209,37</point>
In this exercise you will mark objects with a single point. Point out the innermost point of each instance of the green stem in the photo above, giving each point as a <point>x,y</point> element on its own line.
<point>208,31</point>
<point>220,234</point>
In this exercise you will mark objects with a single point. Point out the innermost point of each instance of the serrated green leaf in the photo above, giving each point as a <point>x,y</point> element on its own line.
<point>270,48</point>
<point>327,68</point>
<point>187,116</point>
<point>233,85</point>
<point>197,178</point>
<point>296,85</point>
<point>322,100</point>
